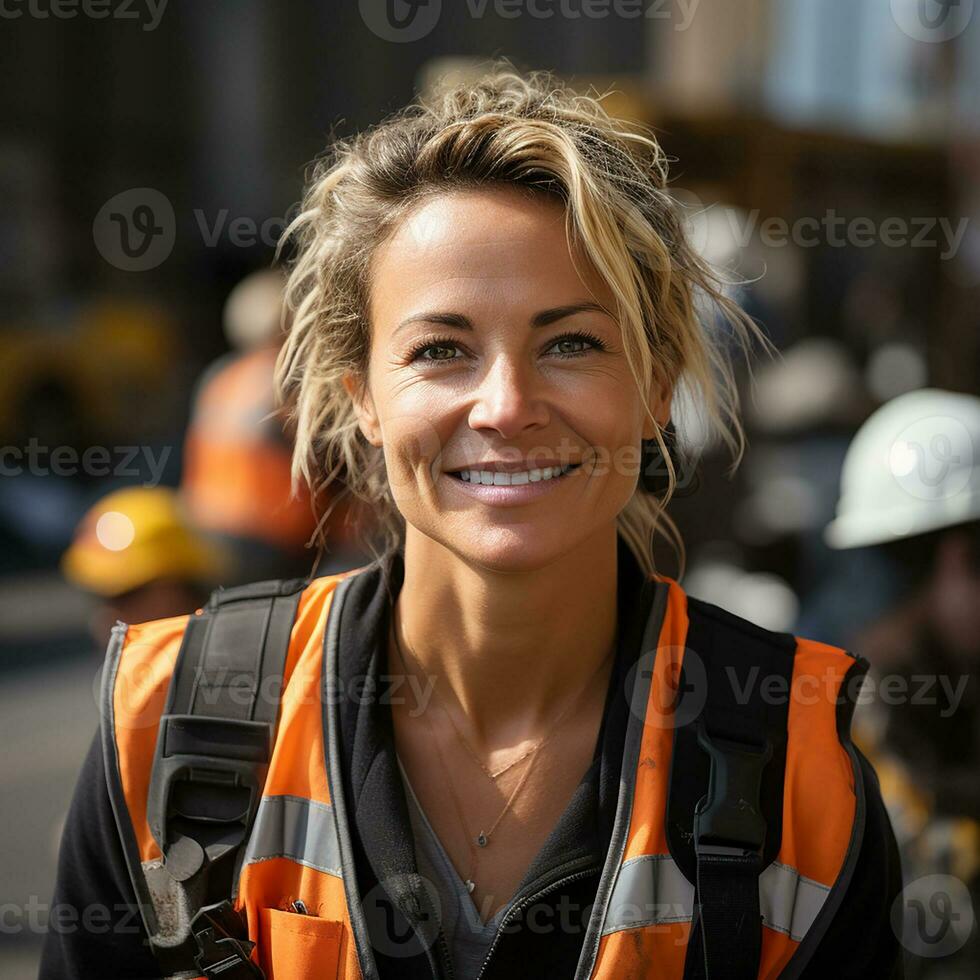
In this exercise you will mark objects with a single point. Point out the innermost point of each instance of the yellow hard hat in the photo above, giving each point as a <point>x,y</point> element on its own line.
<point>136,535</point>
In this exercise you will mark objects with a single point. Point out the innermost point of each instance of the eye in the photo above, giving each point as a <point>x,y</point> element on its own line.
<point>444,349</point>
<point>580,337</point>
<point>440,345</point>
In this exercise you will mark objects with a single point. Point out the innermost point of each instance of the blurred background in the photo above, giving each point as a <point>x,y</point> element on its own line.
<point>828,154</point>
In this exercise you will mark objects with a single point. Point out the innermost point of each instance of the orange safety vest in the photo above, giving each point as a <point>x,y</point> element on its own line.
<point>237,462</point>
<point>297,847</point>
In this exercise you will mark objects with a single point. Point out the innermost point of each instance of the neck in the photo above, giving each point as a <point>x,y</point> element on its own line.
<point>507,650</point>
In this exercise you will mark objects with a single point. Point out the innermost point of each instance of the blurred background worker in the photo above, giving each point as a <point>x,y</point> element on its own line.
<point>910,487</point>
<point>236,478</point>
<point>136,551</point>
<point>237,456</point>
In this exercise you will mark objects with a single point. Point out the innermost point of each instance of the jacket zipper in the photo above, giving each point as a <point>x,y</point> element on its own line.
<point>524,902</point>
<point>446,973</point>
<point>447,961</point>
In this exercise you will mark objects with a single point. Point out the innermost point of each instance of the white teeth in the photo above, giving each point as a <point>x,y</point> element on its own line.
<point>494,478</point>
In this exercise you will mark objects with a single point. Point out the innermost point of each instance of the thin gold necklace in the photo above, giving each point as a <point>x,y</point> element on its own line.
<point>466,742</point>
<point>469,748</point>
<point>483,838</point>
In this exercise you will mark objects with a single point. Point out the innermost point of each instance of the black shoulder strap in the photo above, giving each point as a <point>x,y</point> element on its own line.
<point>724,806</point>
<point>212,753</point>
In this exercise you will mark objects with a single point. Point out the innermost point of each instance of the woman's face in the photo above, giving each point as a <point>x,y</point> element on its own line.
<point>490,354</point>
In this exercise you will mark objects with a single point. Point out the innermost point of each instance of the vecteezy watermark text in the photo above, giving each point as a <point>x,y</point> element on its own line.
<point>679,696</point>
<point>37,917</point>
<point>837,231</point>
<point>831,229</point>
<point>889,689</point>
<point>123,461</point>
<point>137,696</point>
<point>680,11</point>
<point>403,21</point>
<point>241,231</point>
<point>149,12</point>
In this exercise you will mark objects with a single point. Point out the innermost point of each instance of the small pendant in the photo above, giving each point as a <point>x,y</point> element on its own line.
<point>482,839</point>
<point>470,885</point>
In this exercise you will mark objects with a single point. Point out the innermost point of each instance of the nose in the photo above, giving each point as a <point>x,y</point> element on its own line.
<point>509,399</point>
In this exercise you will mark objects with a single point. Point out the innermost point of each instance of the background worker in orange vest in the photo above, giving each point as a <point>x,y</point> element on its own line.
<point>509,747</point>
<point>236,479</point>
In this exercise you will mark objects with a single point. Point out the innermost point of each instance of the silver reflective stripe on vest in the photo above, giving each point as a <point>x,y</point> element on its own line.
<point>295,828</point>
<point>649,890</point>
<point>652,890</point>
<point>788,901</point>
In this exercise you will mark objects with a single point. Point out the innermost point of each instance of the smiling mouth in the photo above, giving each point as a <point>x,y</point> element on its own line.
<point>494,478</point>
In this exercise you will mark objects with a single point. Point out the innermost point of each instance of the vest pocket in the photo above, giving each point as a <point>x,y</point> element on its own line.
<point>296,947</point>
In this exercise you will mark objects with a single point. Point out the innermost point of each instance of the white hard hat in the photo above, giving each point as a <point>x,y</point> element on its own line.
<point>913,467</point>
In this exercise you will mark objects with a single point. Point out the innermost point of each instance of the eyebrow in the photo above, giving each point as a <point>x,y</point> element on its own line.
<point>542,319</point>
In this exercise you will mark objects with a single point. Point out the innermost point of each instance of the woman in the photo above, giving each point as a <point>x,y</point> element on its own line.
<point>489,743</point>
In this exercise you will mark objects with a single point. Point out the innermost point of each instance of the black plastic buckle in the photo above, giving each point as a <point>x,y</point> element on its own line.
<point>728,821</point>
<point>229,755</point>
<point>222,953</point>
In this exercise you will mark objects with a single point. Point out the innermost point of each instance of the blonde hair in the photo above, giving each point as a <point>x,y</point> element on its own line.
<point>532,132</point>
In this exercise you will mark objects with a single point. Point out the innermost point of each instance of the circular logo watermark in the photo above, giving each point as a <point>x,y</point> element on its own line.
<point>653,692</point>
<point>400,21</point>
<point>392,933</point>
<point>135,230</point>
<point>932,458</point>
<point>933,916</point>
<point>695,216</point>
<point>932,21</point>
<point>139,694</point>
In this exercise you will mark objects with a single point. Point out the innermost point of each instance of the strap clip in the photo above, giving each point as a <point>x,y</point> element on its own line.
<point>207,774</point>
<point>223,955</point>
<point>728,821</point>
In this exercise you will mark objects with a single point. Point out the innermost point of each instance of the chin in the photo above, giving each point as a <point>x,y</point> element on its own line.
<point>513,548</point>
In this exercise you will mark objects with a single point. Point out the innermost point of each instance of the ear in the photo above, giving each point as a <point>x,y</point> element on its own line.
<point>367,417</point>
<point>661,396</point>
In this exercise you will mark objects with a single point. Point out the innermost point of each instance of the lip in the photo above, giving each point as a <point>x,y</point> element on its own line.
<point>510,496</point>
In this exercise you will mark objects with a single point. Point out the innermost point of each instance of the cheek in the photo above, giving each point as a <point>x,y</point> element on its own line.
<point>411,443</point>
<point>611,424</point>
<point>415,432</point>
<point>614,431</point>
